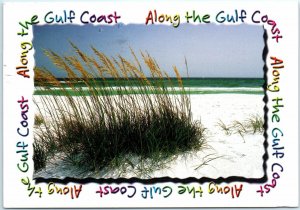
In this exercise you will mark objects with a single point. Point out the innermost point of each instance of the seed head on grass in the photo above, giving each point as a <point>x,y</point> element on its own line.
<point>100,124</point>
<point>38,120</point>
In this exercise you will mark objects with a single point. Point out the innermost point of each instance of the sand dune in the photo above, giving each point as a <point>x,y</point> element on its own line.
<point>224,155</point>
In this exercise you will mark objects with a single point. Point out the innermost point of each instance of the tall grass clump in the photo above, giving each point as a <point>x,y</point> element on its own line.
<point>93,122</point>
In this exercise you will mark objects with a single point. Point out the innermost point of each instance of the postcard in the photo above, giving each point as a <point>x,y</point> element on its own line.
<point>150,104</point>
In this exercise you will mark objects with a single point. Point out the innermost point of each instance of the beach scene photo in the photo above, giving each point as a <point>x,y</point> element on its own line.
<point>137,101</point>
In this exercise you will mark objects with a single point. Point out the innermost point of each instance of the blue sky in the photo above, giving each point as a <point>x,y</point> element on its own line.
<point>211,50</point>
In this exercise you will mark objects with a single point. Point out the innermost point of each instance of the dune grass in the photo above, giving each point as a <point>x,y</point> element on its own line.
<point>224,127</point>
<point>39,156</point>
<point>103,130</point>
<point>254,124</point>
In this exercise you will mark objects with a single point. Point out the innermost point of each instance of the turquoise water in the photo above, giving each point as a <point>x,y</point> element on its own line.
<point>204,85</point>
<point>225,85</point>
<point>190,82</point>
<point>223,82</point>
<point>192,85</point>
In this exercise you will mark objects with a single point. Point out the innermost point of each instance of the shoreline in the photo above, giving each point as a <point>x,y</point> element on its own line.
<point>115,90</point>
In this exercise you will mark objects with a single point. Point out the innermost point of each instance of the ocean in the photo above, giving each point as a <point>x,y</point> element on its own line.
<point>191,85</point>
<point>225,85</point>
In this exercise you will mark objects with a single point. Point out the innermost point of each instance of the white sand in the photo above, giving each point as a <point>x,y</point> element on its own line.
<point>224,156</point>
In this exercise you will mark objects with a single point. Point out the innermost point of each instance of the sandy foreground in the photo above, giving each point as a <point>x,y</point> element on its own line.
<point>224,155</point>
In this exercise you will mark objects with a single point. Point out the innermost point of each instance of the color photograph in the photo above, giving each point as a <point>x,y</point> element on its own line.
<point>136,101</point>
